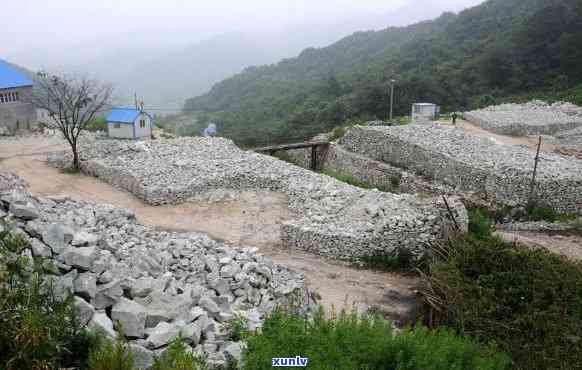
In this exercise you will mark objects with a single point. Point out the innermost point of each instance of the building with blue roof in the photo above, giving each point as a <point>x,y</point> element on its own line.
<point>129,123</point>
<point>16,109</point>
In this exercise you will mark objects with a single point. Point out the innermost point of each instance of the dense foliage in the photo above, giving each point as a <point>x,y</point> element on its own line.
<point>350,341</point>
<point>529,302</point>
<point>499,48</point>
<point>37,329</point>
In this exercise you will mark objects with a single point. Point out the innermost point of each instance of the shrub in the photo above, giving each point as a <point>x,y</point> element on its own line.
<point>527,301</point>
<point>350,341</point>
<point>177,357</point>
<point>37,329</point>
<point>401,259</point>
<point>237,329</point>
<point>541,213</point>
<point>480,223</point>
<point>97,124</point>
<point>111,356</point>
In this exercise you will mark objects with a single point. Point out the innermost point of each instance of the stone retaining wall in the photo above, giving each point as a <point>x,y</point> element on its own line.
<point>331,218</point>
<point>497,173</point>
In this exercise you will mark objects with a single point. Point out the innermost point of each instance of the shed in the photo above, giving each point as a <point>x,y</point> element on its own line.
<point>422,112</point>
<point>129,123</point>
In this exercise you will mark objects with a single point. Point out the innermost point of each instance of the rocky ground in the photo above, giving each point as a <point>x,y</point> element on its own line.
<point>252,219</point>
<point>156,284</point>
<point>533,118</point>
<point>329,217</point>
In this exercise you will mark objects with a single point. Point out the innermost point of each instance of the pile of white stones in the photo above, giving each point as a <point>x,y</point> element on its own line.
<point>157,285</point>
<point>498,173</point>
<point>331,218</point>
<point>533,118</point>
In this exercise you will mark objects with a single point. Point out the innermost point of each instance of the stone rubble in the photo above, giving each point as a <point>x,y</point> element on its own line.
<point>533,118</point>
<point>497,173</point>
<point>330,217</point>
<point>151,285</point>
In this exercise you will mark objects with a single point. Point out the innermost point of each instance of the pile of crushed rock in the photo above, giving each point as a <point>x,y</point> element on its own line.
<point>330,217</point>
<point>157,285</point>
<point>533,118</point>
<point>498,173</point>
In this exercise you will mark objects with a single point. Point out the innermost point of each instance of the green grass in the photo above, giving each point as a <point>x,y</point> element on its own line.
<point>350,341</point>
<point>529,302</point>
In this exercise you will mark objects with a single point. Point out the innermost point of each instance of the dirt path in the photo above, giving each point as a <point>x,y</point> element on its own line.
<point>251,220</point>
<point>530,142</point>
<point>566,245</point>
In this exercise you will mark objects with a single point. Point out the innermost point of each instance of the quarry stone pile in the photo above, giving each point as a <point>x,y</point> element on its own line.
<point>156,285</point>
<point>497,173</point>
<point>533,118</point>
<point>330,218</point>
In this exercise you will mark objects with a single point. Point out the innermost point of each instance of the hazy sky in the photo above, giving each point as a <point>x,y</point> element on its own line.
<point>42,27</point>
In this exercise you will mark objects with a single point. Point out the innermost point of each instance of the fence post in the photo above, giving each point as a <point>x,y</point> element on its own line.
<point>532,186</point>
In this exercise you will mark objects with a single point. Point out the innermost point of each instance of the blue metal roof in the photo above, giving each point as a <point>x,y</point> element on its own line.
<point>11,78</point>
<point>123,115</point>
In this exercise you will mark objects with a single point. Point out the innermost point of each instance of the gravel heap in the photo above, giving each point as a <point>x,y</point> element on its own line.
<point>331,218</point>
<point>499,173</point>
<point>155,284</point>
<point>533,118</point>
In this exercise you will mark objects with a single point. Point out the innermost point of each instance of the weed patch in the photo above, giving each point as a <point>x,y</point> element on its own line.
<point>349,341</point>
<point>529,302</point>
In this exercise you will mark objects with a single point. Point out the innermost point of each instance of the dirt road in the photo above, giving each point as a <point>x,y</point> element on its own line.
<point>251,220</point>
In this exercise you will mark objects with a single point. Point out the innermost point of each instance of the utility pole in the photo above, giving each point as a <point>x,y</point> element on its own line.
<point>392,82</point>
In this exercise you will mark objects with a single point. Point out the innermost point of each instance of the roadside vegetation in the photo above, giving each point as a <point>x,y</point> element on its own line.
<point>351,341</point>
<point>527,301</point>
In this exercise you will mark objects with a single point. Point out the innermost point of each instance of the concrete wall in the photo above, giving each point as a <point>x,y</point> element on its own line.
<point>20,114</point>
<point>125,130</point>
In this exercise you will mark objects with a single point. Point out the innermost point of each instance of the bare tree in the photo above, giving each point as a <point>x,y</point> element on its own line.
<point>72,103</point>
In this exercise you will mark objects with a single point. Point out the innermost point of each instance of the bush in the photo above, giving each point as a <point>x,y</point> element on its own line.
<point>350,341</point>
<point>541,213</point>
<point>527,301</point>
<point>177,357</point>
<point>400,260</point>
<point>480,223</point>
<point>97,124</point>
<point>111,356</point>
<point>37,329</point>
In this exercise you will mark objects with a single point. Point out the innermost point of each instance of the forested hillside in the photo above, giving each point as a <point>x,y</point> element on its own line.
<point>497,49</point>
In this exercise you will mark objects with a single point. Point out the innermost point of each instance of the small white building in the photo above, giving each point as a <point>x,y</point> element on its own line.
<point>423,112</point>
<point>129,123</point>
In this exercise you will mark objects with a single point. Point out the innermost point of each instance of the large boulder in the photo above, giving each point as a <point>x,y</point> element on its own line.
<point>84,311</point>
<point>24,210</point>
<point>131,316</point>
<point>57,237</point>
<point>162,334</point>
<point>81,258</point>
<point>86,285</point>
<point>108,294</point>
<point>142,357</point>
<point>101,322</point>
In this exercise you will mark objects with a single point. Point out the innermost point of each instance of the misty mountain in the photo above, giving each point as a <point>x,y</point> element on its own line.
<point>496,49</point>
<point>164,77</point>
